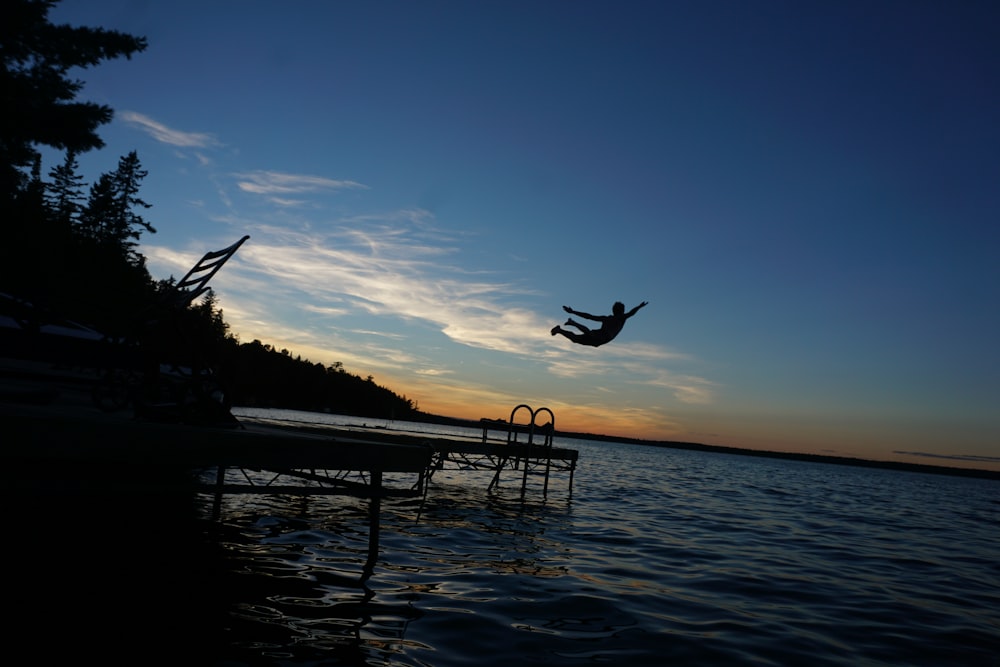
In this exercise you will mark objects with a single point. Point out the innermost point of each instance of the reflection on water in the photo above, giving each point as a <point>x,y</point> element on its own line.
<point>298,585</point>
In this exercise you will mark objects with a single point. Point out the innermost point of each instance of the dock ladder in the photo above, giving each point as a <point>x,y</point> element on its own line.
<point>531,455</point>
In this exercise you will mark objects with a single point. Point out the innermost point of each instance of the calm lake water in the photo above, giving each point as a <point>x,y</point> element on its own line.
<point>658,557</point>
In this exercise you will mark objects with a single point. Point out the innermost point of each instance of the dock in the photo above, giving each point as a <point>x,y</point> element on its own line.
<point>44,432</point>
<point>519,448</point>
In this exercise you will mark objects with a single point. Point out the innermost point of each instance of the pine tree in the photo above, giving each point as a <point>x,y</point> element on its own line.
<point>64,193</point>
<point>127,224</point>
<point>109,218</point>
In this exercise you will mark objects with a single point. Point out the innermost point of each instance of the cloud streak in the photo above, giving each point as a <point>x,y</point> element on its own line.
<point>279,183</point>
<point>168,135</point>
<point>390,273</point>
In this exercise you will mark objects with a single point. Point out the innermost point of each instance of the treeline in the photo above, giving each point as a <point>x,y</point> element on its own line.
<point>258,375</point>
<point>71,249</point>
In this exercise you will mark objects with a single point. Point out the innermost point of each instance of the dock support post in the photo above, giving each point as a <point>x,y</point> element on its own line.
<point>548,466</point>
<point>220,479</point>
<point>501,462</point>
<point>374,514</point>
<point>527,464</point>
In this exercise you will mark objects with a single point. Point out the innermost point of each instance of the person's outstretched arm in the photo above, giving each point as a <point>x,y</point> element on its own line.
<point>636,309</point>
<point>596,318</point>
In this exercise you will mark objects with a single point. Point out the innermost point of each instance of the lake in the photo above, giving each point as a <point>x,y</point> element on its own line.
<point>657,557</point>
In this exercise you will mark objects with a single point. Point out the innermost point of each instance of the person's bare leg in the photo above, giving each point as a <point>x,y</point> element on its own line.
<point>573,323</point>
<point>572,335</point>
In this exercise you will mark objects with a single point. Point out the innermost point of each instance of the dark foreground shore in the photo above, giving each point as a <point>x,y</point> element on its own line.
<point>108,565</point>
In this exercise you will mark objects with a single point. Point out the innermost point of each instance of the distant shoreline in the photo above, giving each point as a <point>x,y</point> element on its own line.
<point>721,449</point>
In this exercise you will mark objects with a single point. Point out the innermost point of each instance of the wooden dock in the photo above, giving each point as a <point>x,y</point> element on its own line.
<point>42,435</point>
<point>507,448</point>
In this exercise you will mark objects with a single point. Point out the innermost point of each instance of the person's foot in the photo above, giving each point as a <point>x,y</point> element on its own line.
<point>569,322</point>
<point>555,330</point>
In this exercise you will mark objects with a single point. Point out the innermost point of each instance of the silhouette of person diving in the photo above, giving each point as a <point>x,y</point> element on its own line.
<point>611,325</point>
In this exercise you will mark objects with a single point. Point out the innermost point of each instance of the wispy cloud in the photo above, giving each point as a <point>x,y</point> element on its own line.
<point>378,292</point>
<point>634,364</point>
<point>953,457</point>
<point>686,388</point>
<point>288,203</point>
<point>278,183</point>
<point>390,273</point>
<point>168,135</point>
<point>434,372</point>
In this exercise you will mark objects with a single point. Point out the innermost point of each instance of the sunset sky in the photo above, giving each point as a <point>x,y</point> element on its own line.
<point>807,194</point>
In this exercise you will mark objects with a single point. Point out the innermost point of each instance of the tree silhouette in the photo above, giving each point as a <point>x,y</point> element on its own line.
<point>36,93</point>
<point>260,375</point>
<point>109,218</point>
<point>38,98</point>
<point>64,193</point>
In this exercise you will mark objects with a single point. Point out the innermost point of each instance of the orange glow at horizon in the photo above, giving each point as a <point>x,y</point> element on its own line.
<point>465,403</point>
<point>455,402</point>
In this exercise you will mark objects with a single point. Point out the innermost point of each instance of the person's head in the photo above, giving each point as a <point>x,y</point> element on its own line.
<point>618,308</point>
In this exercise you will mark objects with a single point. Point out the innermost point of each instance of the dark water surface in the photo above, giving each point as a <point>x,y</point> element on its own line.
<point>659,557</point>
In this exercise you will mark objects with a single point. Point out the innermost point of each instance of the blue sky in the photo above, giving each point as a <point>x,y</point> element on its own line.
<point>806,193</point>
